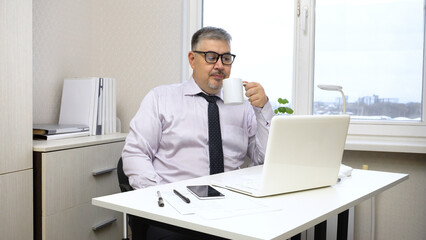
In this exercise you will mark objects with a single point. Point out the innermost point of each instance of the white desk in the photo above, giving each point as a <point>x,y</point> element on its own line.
<point>298,211</point>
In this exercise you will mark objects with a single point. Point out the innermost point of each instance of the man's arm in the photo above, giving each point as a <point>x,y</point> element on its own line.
<point>259,133</point>
<point>261,121</point>
<point>142,144</point>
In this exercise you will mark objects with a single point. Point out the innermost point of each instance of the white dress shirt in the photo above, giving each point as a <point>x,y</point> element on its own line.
<point>168,137</point>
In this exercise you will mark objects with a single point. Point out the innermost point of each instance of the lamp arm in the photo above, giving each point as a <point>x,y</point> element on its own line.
<point>344,101</point>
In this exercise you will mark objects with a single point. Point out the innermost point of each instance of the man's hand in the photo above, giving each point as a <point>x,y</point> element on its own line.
<point>256,94</point>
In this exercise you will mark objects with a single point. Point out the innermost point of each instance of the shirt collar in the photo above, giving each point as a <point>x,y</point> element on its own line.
<point>191,88</point>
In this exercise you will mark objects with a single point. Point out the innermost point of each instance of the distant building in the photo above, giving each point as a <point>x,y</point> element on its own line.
<point>369,100</point>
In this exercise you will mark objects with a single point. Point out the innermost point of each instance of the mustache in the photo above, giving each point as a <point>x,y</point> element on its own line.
<point>218,72</point>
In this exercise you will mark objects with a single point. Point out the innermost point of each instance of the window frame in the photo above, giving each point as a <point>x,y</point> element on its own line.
<point>363,135</point>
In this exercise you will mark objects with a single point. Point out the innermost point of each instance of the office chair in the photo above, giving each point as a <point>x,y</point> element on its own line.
<point>138,228</point>
<point>123,180</point>
<point>123,183</point>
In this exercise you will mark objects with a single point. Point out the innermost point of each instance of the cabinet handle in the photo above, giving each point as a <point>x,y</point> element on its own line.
<point>100,172</point>
<point>103,224</point>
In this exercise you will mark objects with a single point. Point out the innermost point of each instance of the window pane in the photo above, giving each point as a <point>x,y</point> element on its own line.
<point>262,39</point>
<point>374,50</point>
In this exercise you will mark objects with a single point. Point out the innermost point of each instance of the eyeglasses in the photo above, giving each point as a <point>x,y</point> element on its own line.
<point>213,57</point>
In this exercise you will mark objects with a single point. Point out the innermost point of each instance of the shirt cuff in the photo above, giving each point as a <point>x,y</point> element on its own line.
<point>264,114</point>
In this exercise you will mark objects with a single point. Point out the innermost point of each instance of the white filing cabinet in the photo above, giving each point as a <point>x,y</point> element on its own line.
<point>16,117</point>
<point>68,173</point>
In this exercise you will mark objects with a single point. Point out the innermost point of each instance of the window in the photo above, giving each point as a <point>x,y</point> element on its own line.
<point>262,39</point>
<point>374,49</point>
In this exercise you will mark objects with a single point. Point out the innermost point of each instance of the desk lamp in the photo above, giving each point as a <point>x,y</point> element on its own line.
<point>335,88</point>
<point>373,199</point>
<point>339,89</point>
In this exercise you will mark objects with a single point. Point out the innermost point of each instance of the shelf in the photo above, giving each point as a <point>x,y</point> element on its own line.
<point>61,144</point>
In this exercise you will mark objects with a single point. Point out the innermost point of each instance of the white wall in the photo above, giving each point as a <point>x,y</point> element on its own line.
<point>62,47</point>
<point>137,42</point>
<point>401,210</point>
<point>141,47</point>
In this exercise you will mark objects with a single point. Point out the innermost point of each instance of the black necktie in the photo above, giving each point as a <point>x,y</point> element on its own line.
<point>215,138</point>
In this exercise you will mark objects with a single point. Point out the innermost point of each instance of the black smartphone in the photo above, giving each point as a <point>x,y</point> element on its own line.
<point>205,192</point>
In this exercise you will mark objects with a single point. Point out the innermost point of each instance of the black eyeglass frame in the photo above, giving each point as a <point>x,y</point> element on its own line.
<point>218,56</point>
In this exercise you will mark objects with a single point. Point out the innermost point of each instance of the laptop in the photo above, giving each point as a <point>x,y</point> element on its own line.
<point>303,152</point>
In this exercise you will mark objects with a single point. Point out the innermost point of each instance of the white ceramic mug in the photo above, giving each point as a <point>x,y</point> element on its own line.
<point>233,91</point>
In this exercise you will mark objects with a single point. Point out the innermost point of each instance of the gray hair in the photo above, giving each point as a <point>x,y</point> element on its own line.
<point>212,33</point>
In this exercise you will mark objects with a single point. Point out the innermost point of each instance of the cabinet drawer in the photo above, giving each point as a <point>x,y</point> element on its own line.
<point>73,177</point>
<point>78,223</point>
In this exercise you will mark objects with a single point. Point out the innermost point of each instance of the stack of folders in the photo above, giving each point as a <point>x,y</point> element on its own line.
<point>91,102</point>
<point>59,131</point>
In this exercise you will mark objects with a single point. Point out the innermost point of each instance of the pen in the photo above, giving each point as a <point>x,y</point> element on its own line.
<point>185,199</point>
<point>160,199</point>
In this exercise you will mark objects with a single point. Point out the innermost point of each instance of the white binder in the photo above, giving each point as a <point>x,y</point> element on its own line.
<point>89,101</point>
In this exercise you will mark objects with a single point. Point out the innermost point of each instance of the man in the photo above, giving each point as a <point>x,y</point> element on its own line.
<point>168,139</point>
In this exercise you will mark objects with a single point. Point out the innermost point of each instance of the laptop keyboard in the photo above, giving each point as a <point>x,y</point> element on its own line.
<point>250,182</point>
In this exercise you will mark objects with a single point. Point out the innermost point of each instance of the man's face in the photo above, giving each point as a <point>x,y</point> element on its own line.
<point>209,76</point>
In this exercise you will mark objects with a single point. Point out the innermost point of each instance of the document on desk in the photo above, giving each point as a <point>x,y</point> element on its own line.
<point>230,206</point>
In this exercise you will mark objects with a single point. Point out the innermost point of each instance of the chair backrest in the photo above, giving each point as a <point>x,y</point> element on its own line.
<point>123,180</point>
